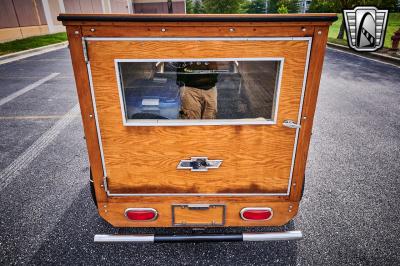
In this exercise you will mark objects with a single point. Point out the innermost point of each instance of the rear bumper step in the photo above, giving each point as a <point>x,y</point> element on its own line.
<point>269,236</point>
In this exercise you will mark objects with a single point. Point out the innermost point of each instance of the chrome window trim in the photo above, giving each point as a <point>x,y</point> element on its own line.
<point>141,209</point>
<point>308,39</point>
<point>256,209</point>
<point>198,122</point>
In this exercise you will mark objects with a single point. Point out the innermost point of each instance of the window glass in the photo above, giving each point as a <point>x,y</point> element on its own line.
<point>199,90</point>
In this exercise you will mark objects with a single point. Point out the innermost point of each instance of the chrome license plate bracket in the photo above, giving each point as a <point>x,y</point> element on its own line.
<point>198,215</point>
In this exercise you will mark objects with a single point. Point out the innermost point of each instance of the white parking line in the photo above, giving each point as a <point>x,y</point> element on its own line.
<point>27,88</point>
<point>11,171</point>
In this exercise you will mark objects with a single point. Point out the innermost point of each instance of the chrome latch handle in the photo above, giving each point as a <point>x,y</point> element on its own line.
<point>291,124</point>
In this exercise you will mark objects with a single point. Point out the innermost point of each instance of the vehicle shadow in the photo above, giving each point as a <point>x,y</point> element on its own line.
<point>71,242</point>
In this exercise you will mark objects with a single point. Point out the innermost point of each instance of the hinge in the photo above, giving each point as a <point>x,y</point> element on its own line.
<point>85,54</point>
<point>105,184</point>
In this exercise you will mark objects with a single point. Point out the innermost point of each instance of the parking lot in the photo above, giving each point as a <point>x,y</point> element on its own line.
<point>349,213</point>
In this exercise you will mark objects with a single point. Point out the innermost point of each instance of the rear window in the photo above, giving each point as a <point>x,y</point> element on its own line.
<point>198,91</point>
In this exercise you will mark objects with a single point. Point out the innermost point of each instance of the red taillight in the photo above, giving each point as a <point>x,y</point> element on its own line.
<point>141,214</point>
<point>256,214</point>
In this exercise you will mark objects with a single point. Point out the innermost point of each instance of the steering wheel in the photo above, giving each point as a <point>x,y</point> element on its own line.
<point>179,64</point>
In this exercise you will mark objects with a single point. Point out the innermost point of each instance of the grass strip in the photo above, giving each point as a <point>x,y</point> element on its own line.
<point>31,42</point>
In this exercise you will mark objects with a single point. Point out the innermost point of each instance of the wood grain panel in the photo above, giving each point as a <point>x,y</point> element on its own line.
<point>257,159</point>
<point>129,149</point>
<point>86,106</point>
<point>114,213</point>
<point>197,198</point>
<point>310,102</point>
<point>99,51</point>
<point>194,31</point>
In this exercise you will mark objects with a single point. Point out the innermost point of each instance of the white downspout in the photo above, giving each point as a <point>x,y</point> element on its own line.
<point>47,14</point>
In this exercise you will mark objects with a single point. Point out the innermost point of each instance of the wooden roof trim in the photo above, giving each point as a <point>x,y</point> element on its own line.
<point>310,17</point>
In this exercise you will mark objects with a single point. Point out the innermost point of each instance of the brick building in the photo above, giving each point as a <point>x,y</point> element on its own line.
<point>25,18</point>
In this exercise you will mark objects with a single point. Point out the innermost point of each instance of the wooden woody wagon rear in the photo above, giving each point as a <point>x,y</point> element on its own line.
<point>197,120</point>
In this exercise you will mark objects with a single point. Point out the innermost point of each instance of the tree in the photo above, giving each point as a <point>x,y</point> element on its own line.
<point>282,9</point>
<point>323,6</point>
<point>293,6</point>
<point>222,6</point>
<point>386,4</point>
<point>198,7</point>
<point>189,7</point>
<point>255,6</point>
<point>272,6</point>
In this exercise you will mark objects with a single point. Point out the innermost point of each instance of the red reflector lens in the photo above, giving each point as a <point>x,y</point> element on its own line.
<point>256,213</point>
<point>141,214</point>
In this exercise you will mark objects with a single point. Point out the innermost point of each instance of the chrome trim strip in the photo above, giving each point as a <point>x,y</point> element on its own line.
<point>299,115</point>
<point>278,82</point>
<point>309,39</point>
<point>197,39</point>
<point>205,122</point>
<point>273,236</point>
<point>217,59</point>
<point>106,186</point>
<point>256,209</point>
<point>89,70</point>
<point>142,209</point>
<point>120,93</point>
<point>124,238</point>
<point>195,194</point>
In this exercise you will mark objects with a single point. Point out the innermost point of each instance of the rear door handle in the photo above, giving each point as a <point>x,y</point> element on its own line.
<point>291,124</point>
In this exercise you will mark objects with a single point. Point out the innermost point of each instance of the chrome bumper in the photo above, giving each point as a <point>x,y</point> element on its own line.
<point>269,236</point>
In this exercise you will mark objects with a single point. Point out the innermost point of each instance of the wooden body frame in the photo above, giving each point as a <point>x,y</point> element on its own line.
<point>112,208</point>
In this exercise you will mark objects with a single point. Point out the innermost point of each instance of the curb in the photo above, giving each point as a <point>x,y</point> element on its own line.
<point>373,55</point>
<point>31,52</point>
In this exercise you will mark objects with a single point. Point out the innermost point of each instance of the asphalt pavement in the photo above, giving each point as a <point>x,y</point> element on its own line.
<point>349,213</point>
